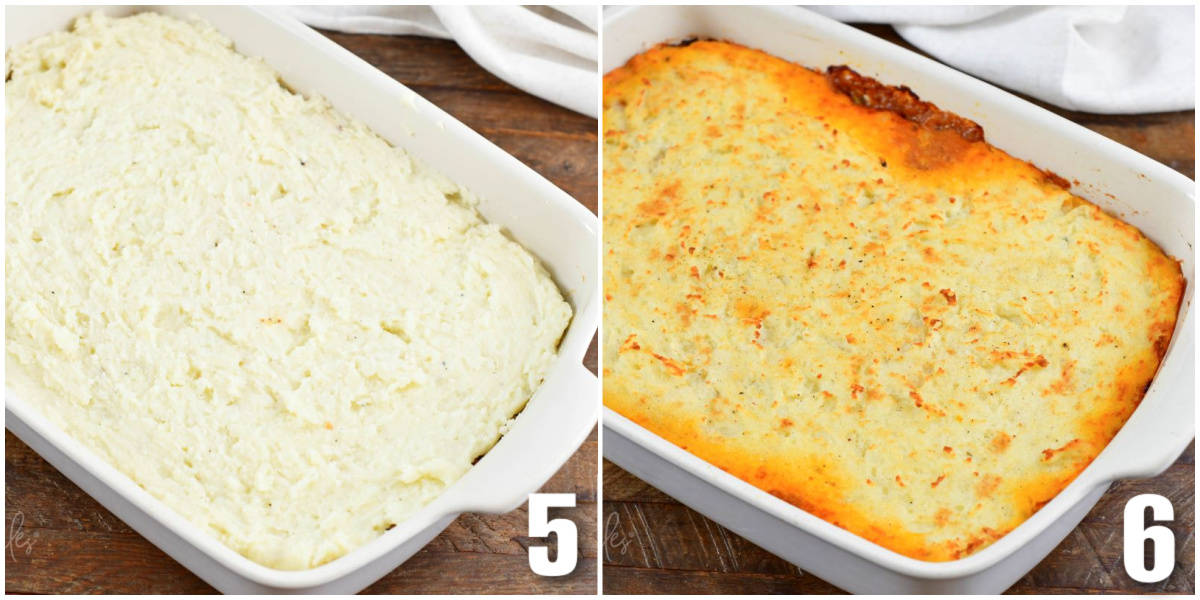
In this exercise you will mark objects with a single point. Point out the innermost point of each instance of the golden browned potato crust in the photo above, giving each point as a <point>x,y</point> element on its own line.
<point>883,320</point>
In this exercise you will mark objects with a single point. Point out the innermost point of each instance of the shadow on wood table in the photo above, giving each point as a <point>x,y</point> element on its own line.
<point>62,541</point>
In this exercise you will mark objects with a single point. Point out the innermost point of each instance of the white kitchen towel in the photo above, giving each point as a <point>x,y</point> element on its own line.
<point>1102,59</point>
<point>548,51</point>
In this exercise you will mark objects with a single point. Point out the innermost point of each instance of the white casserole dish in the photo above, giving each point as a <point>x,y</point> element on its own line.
<point>1154,198</point>
<point>544,219</point>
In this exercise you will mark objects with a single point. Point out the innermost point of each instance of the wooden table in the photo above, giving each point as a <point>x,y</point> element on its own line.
<point>61,541</point>
<point>653,544</point>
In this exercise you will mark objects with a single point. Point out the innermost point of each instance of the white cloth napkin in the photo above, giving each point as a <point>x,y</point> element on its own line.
<point>1102,59</point>
<point>548,51</point>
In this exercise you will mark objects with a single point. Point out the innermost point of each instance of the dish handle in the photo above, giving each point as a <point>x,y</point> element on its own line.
<point>543,437</point>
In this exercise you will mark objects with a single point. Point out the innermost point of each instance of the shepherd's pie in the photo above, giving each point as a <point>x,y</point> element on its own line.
<point>290,332</point>
<point>846,297</point>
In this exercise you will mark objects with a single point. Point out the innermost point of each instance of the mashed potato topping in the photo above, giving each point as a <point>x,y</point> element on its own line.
<point>287,330</point>
<point>885,321</point>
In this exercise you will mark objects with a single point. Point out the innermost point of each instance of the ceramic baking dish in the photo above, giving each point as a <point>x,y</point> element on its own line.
<point>544,219</point>
<point>1152,197</point>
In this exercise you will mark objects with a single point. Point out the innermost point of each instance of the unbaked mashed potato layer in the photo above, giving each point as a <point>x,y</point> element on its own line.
<point>284,328</point>
<point>910,334</point>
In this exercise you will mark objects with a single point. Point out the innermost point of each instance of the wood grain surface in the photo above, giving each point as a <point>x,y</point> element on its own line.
<point>653,544</point>
<point>59,540</point>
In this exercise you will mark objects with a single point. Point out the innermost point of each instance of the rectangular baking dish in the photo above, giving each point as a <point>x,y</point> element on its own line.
<point>544,219</point>
<point>1156,199</point>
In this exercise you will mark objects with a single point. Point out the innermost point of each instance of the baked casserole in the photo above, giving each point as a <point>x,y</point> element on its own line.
<point>848,298</point>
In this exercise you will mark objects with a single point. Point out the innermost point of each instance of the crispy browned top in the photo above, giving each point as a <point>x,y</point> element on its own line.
<point>844,296</point>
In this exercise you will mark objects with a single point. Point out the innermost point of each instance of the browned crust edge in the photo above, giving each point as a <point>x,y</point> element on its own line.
<point>868,92</point>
